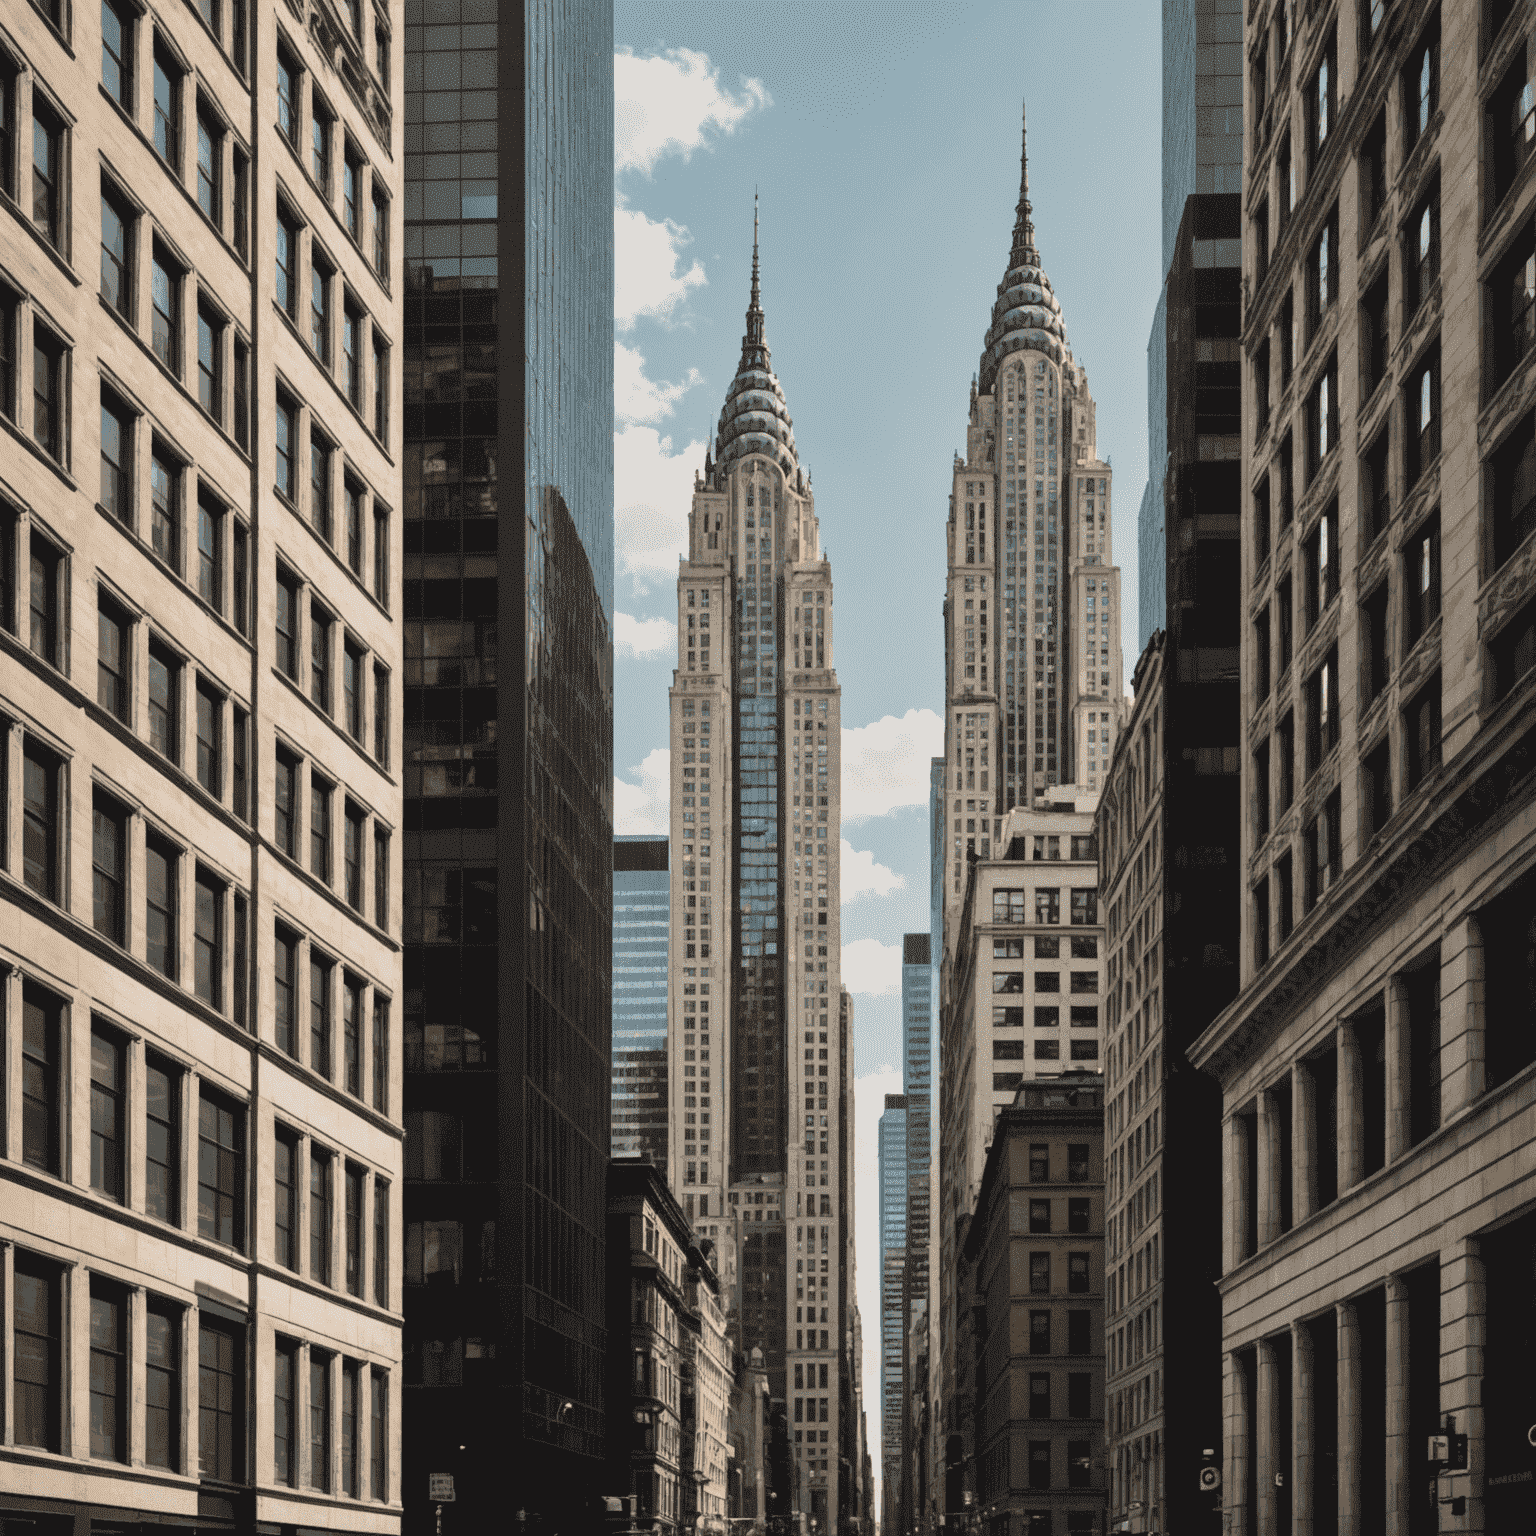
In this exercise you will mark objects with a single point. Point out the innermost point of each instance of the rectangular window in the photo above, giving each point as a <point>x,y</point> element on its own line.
<point>320,310</point>
<point>165,304</point>
<point>378,1438</point>
<point>241,958</point>
<point>381,1242</point>
<point>352,497</point>
<point>381,1054</point>
<point>321,126</point>
<point>1320,565</point>
<point>1421,252</point>
<point>352,857</point>
<point>208,940</point>
<point>1261,923</point>
<point>220,1402</point>
<point>1284,616</point>
<point>1260,525</point>
<point>167,127</point>
<point>1376,775</point>
<point>116,478</point>
<point>109,1372</point>
<point>353,1226</point>
<point>285,1405</point>
<point>380,388</point>
<point>241,392</point>
<point>1261,388</point>
<point>1322,413</point>
<point>1513,651</point>
<point>351,171</point>
<point>320,829</point>
<point>320,1216</point>
<point>38,1379</point>
<point>288,265</point>
<point>1322,711</point>
<point>43,600</point>
<point>1285,897</point>
<point>1039,1394</point>
<point>162,1140</point>
<point>1320,102</point>
<point>1421,579</point>
<point>320,658</point>
<point>1421,721</point>
<point>351,356</point>
<point>1422,409</point>
<point>381,877</point>
<point>162,1386</point>
<point>380,233</point>
<point>1421,86</point>
<point>239,578</point>
<point>165,509</point>
<point>109,1087</point>
<point>220,1170</point>
<point>320,1420</point>
<point>285,991</point>
<point>50,407</point>
<point>109,867</point>
<point>320,970</point>
<point>288,106</point>
<point>1040,1274</point>
<point>116,245</point>
<point>210,161</point>
<point>381,716</point>
<point>1373,336</point>
<point>349,1409</point>
<point>287,624</point>
<point>240,206</point>
<point>1039,1464</point>
<point>352,689</point>
<point>210,552</point>
<point>48,183</point>
<point>1373,172</point>
<point>1261,655</point>
<point>381,556</point>
<point>1323,272</point>
<point>164,702</point>
<point>210,714</point>
<point>210,353</point>
<point>352,1035</point>
<point>1375,488</point>
<point>321,457</point>
<point>1321,852</point>
<point>40,831</point>
<point>285,805</point>
<point>1374,630</point>
<point>160,861</point>
<point>117,53</point>
<point>285,1175</point>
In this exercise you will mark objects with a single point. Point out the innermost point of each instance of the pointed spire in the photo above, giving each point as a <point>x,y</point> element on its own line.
<point>754,348</point>
<point>755,293</point>
<point>1024,252</point>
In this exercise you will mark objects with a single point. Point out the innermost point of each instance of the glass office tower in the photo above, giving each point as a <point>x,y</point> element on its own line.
<point>508,771</point>
<point>640,928</point>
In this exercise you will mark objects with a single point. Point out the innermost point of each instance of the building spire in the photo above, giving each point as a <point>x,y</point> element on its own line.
<point>752,344</point>
<point>755,297</point>
<point>1024,252</point>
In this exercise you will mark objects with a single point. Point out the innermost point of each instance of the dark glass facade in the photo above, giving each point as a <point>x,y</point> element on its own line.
<point>507,771</point>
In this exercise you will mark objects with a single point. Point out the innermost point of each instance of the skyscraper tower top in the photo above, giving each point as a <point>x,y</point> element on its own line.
<point>1027,313</point>
<point>755,418</point>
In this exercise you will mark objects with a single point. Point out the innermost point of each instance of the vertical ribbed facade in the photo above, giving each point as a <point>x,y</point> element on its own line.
<point>641,901</point>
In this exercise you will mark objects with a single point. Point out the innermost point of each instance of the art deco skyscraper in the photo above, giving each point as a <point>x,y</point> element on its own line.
<point>761,1140</point>
<point>1032,606</point>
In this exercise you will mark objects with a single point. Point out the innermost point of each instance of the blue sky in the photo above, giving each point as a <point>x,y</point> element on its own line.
<point>884,143</point>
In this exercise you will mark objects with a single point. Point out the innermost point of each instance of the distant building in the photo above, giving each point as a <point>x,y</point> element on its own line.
<point>1033,1311</point>
<point>893,1264</point>
<point>917,1072</point>
<point>641,903</point>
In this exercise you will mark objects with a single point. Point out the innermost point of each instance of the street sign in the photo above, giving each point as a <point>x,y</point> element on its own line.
<point>442,1487</point>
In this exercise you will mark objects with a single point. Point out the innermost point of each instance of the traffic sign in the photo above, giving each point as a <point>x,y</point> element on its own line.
<point>442,1487</point>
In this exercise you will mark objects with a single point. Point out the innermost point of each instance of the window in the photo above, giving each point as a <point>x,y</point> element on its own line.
<point>210,159</point>
<point>160,861</point>
<point>1421,86</point>
<point>1421,579</point>
<point>1511,127</point>
<point>381,561</point>
<point>48,172</point>
<point>1376,776</point>
<point>320,1216</point>
<point>1040,1274</point>
<point>208,939</point>
<point>1513,307</point>
<point>1322,711</point>
<point>117,54</point>
<point>109,1083</point>
<point>9,310</point>
<point>1260,228</point>
<point>162,1386</point>
<point>210,540</point>
<point>1322,417</point>
<point>1320,568</point>
<point>1323,272</point>
<point>240,578</point>
<point>320,658</point>
<point>112,650</point>
<point>1039,1394</point>
<point>321,126</point>
<point>1261,655</point>
<point>285,805</point>
<point>240,409</point>
<point>1373,336</point>
<point>220,1171</point>
<point>1321,852</point>
<point>349,1410</point>
<point>1422,722</point>
<point>220,1401</point>
<point>351,357</point>
<point>320,971</point>
<point>1512,481</point>
<point>1375,488</point>
<point>287,624</point>
<point>1261,388</point>
<point>351,173</point>
<point>353,1226</point>
<point>116,483</point>
<point>1261,923</point>
<point>1373,172</point>
<point>38,1380</point>
<point>1285,738</point>
<point>1039,1464</point>
<point>50,406</point>
<point>320,310</point>
<point>288,265</point>
<point>1423,413</point>
<point>381,1242</point>
<point>320,457</point>
<point>109,1372</point>
<point>240,958</point>
<point>352,1035</point>
<point>165,509</point>
<point>40,830</point>
<point>109,856</point>
<point>378,1439</point>
<point>43,600</point>
<point>40,1027</point>
<point>1287,470</point>
<point>380,387</point>
<point>285,1002</point>
<point>116,245</point>
<point>380,233</point>
<point>1039,1333</point>
<point>168,111</point>
<point>285,1406</point>
<point>288,107</point>
<point>1285,176</point>
<point>210,711</point>
<point>286,1198</point>
<point>320,1420</point>
<point>1320,102</point>
<point>381,716</point>
<point>210,353</point>
<point>164,699</point>
<point>381,1053</point>
<point>1039,1214</point>
<point>1079,1457</point>
<point>1421,253</point>
<point>1374,629</point>
<point>352,857</point>
<point>162,1140</point>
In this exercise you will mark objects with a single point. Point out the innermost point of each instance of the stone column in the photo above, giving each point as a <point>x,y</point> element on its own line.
<point>1348,1324</point>
<point>1239,1445</point>
<point>1399,1070</point>
<point>1269,1166</point>
<point>1351,1127</point>
<point>1237,1191</point>
<point>1463,1057</point>
<point>1303,1432</point>
<point>1463,1352</point>
<point>1399,1453</point>
<point>1269,1438</point>
<point>1303,1143</point>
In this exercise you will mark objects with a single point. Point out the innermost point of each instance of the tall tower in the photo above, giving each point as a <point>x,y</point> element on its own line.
<point>761,1104</point>
<point>893,1264</point>
<point>641,898</point>
<point>1032,605</point>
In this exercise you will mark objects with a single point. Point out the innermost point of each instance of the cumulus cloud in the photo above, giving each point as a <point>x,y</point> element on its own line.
<point>672,103</point>
<point>863,876</point>
<point>645,807</point>
<point>872,968</point>
<point>648,279</point>
<point>643,637</point>
<point>886,764</point>
<point>638,399</point>
<point>653,489</point>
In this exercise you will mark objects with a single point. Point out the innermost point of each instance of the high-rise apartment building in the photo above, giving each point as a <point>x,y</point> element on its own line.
<point>200,1145</point>
<point>761,1103</point>
<point>893,1265</point>
<point>1377,1065</point>
<point>641,901</point>
<point>508,770</point>
<point>917,1083</point>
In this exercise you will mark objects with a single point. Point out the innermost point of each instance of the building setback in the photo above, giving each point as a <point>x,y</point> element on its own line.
<point>200,1143</point>
<point>508,770</point>
<point>1377,1065</point>
<point>641,901</point>
<point>762,1103</point>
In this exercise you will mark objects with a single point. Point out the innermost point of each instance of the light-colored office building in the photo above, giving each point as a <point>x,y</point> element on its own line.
<point>200,978</point>
<point>1377,1066</point>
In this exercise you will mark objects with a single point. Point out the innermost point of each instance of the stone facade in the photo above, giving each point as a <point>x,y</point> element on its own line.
<point>200,913</point>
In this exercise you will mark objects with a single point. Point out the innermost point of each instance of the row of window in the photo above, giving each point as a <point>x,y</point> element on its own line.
<point>1084,1016</point>
<point>1042,1050</point>
<point>1044,981</point>
<point>138,1160</point>
<point>1011,906</point>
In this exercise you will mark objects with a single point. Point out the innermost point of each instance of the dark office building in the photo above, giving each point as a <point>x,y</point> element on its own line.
<point>508,771</point>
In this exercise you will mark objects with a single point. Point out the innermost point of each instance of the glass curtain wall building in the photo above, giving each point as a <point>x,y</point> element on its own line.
<point>640,903</point>
<point>508,771</point>
<point>893,1263</point>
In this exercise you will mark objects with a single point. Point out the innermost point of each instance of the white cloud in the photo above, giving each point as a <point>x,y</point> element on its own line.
<point>862,875</point>
<point>653,490</point>
<point>887,763</point>
<point>872,968</point>
<point>673,103</point>
<point>647,254</point>
<point>643,637</point>
<point>638,399</point>
<point>646,806</point>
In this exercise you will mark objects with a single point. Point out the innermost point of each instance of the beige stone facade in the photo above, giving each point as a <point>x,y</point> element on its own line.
<point>200,983</point>
<point>1377,1066</point>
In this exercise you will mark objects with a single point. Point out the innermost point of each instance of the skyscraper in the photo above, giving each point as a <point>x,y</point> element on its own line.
<point>1032,602</point>
<point>893,1264</point>
<point>508,770</point>
<point>641,899</point>
<point>917,1086</point>
<point>760,1115</point>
